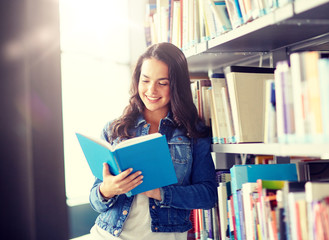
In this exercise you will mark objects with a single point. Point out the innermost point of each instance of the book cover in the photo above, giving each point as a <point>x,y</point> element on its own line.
<point>284,103</point>
<point>314,191</point>
<point>270,125</point>
<point>324,86</point>
<point>234,13</point>
<point>148,154</point>
<point>245,89</point>
<point>222,209</point>
<point>313,114</point>
<point>247,190</point>
<point>217,82</point>
<point>267,201</point>
<point>214,130</point>
<point>299,96</point>
<point>228,115</point>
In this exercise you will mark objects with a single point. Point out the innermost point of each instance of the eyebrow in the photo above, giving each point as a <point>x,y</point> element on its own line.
<point>164,78</point>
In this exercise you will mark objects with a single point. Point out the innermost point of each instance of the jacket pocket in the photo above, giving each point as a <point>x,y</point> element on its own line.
<point>180,149</point>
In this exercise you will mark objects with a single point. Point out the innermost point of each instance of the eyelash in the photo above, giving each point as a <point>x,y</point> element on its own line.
<point>162,84</point>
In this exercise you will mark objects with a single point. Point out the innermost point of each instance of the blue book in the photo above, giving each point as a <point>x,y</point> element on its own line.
<point>250,173</point>
<point>148,154</point>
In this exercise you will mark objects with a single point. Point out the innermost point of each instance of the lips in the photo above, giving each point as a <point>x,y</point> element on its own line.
<point>152,99</point>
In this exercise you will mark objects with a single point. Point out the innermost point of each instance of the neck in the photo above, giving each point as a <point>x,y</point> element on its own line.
<point>154,118</point>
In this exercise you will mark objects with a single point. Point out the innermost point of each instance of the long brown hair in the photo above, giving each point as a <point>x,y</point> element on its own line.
<point>181,103</point>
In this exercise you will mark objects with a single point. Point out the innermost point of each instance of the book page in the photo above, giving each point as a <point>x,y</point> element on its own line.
<point>99,141</point>
<point>135,140</point>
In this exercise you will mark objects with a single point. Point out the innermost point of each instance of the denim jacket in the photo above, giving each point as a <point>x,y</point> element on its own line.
<point>196,187</point>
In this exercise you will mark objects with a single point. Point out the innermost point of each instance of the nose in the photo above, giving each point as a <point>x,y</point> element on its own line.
<point>152,88</point>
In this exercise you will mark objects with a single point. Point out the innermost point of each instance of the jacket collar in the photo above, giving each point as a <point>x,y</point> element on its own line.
<point>141,121</point>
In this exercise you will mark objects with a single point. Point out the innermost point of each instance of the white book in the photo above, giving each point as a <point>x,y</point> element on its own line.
<point>222,208</point>
<point>314,191</point>
<point>247,189</point>
<point>217,82</point>
<point>245,89</point>
<point>293,197</point>
<point>228,115</point>
<point>298,84</point>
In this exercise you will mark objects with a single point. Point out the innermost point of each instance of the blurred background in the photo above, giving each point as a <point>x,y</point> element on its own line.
<point>65,67</point>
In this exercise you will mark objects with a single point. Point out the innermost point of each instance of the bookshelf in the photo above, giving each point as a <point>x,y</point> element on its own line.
<point>300,25</point>
<point>307,23</point>
<point>263,37</point>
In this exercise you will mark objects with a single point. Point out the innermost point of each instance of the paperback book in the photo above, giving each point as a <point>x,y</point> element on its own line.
<point>148,154</point>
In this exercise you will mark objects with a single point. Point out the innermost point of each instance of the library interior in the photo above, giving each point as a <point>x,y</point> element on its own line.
<point>259,77</point>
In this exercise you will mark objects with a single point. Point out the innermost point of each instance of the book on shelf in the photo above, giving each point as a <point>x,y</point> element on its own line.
<point>270,125</point>
<point>228,115</point>
<point>311,61</point>
<point>162,11</point>
<point>245,90</point>
<point>219,121</point>
<point>251,173</point>
<point>307,96</point>
<point>148,154</point>
<point>315,192</point>
<point>248,190</point>
<point>234,13</point>
<point>215,222</point>
<point>323,69</point>
<point>297,208</point>
<point>210,22</point>
<point>267,190</point>
<point>284,103</point>
<point>220,14</point>
<point>214,127</point>
<point>321,216</point>
<point>222,209</point>
<point>175,30</point>
<point>201,90</point>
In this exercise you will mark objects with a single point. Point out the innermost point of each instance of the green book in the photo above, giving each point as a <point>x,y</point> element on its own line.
<point>148,154</point>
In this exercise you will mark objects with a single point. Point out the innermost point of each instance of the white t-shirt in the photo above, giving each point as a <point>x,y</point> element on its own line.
<point>137,225</point>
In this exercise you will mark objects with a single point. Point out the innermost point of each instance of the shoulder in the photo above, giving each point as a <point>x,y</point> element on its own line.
<point>203,130</point>
<point>107,130</point>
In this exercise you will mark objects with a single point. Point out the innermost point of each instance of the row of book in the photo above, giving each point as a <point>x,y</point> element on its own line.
<point>265,201</point>
<point>189,22</point>
<point>301,88</point>
<point>232,103</point>
<point>286,104</point>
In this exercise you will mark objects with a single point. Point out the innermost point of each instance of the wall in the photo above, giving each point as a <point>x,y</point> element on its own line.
<point>32,201</point>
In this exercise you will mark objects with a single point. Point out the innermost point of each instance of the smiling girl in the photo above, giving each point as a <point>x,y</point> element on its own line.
<point>160,101</point>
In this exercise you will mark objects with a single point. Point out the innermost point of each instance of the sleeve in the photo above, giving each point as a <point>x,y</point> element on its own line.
<point>202,192</point>
<point>97,201</point>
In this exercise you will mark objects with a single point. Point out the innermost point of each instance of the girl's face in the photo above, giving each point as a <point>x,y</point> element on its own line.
<point>153,87</point>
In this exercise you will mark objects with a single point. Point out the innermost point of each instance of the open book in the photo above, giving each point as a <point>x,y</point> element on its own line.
<point>148,154</point>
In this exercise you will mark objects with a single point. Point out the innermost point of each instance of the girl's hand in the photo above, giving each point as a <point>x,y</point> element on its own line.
<point>155,193</point>
<point>120,184</point>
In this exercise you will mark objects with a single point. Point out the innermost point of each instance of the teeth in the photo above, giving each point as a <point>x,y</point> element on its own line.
<point>151,98</point>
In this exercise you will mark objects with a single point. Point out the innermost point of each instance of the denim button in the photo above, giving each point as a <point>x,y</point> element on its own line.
<point>145,126</point>
<point>153,207</point>
<point>116,232</point>
<point>125,212</point>
<point>180,139</point>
